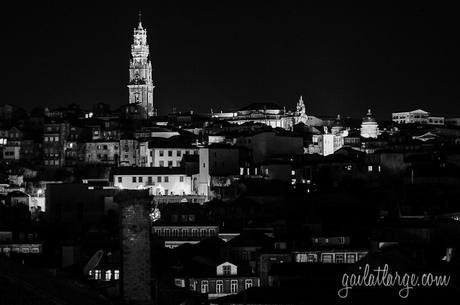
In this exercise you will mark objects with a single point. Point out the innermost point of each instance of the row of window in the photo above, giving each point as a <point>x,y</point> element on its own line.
<point>105,147</point>
<point>219,288</point>
<point>337,258</point>
<point>161,153</point>
<point>170,163</point>
<point>159,179</point>
<point>108,275</point>
<point>184,232</point>
<point>51,139</point>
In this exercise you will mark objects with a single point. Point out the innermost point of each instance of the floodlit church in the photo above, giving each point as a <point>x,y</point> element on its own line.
<point>140,72</point>
<point>269,114</point>
<point>369,126</point>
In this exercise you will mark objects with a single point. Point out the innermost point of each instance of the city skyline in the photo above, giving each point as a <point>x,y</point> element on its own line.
<point>342,60</point>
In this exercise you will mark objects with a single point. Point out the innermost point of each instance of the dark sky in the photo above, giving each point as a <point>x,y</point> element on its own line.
<point>342,59</point>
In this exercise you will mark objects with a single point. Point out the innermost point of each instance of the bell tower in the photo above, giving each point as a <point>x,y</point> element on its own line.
<point>140,72</point>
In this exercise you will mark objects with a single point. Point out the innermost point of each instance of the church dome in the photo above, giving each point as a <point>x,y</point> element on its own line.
<point>369,119</point>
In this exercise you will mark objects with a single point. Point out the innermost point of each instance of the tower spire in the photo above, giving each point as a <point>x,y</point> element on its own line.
<point>140,19</point>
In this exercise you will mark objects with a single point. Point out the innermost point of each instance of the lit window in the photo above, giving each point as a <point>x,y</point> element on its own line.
<point>226,269</point>
<point>116,274</point>
<point>247,283</point>
<point>134,179</point>
<point>339,259</point>
<point>97,274</point>
<point>369,168</point>
<point>181,178</point>
<point>219,286</point>
<point>108,275</point>
<point>234,286</point>
<point>204,286</point>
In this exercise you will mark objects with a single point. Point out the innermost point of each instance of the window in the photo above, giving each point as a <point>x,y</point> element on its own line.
<point>169,153</point>
<point>140,179</point>
<point>166,191</point>
<point>159,179</point>
<point>204,286</point>
<point>134,180</point>
<point>219,286</point>
<point>149,179</point>
<point>204,164</point>
<point>178,153</point>
<point>227,270</point>
<point>120,179</point>
<point>326,258</point>
<point>342,240</point>
<point>166,179</point>
<point>170,163</point>
<point>351,258</point>
<point>369,168</point>
<point>311,258</point>
<point>234,286</point>
<point>247,283</point>
<point>181,179</point>
<point>339,259</point>
<point>108,275</point>
<point>116,274</point>
<point>105,147</point>
<point>161,153</point>
<point>97,274</point>
<point>162,163</point>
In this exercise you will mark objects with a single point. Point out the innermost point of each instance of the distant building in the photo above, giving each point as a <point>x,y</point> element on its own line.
<point>452,121</point>
<point>226,281</point>
<point>268,144</point>
<point>102,152</point>
<point>159,180</point>
<point>369,126</point>
<point>54,143</point>
<point>216,161</point>
<point>129,152</point>
<point>165,153</point>
<point>418,116</point>
<point>269,114</point>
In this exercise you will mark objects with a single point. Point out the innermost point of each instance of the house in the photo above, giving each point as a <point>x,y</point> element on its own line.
<point>103,152</point>
<point>268,144</point>
<point>216,161</point>
<point>166,152</point>
<point>160,180</point>
<point>227,280</point>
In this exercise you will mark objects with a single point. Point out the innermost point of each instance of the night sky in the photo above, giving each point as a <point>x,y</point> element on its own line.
<point>342,59</point>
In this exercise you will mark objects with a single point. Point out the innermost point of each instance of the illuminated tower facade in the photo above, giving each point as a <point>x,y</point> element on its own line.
<point>140,72</point>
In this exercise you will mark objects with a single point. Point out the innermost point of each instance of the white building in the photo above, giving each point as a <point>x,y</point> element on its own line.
<point>418,116</point>
<point>269,114</point>
<point>216,161</point>
<point>369,126</point>
<point>154,154</point>
<point>160,180</point>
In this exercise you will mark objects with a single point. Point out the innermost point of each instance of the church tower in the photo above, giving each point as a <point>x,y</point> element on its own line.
<point>140,72</point>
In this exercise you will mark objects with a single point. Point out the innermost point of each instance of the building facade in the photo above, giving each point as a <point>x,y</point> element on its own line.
<point>160,181</point>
